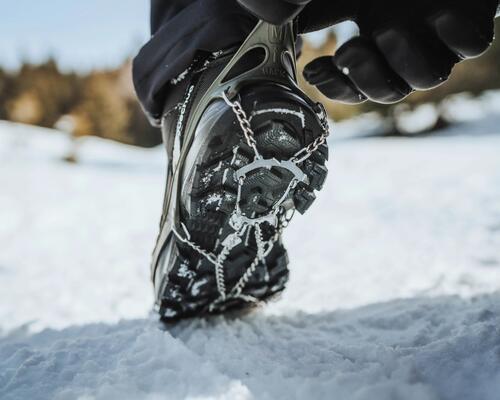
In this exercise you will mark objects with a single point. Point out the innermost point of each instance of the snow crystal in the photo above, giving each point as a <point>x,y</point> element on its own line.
<point>235,154</point>
<point>299,114</point>
<point>219,167</point>
<point>180,77</point>
<point>207,176</point>
<point>195,288</point>
<point>224,176</point>
<point>184,271</point>
<point>214,198</point>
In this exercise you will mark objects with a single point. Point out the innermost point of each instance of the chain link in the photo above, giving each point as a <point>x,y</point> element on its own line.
<point>244,122</point>
<point>312,147</point>
<point>308,151</point>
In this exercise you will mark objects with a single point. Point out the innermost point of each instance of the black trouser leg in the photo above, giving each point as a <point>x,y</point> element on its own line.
<point>181,29</point>
<point>163,11</point>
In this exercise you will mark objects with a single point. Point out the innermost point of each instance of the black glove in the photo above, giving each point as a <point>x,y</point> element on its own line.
<point>403,45</point>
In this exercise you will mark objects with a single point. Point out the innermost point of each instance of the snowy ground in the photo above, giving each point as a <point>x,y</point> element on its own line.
<point>394,292</point>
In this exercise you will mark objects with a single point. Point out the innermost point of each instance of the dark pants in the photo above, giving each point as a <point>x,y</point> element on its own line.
<point>181,29</point>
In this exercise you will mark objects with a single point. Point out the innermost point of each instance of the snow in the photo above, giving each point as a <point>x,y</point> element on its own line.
<point>394,290</point>
<point>296,113</point>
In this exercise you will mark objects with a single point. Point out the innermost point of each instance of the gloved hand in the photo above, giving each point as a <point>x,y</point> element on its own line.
<point>403,45</point>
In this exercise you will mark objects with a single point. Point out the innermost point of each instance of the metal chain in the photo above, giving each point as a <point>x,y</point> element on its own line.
<point>219,272</point>
<point>263,247</point>
<point>299,157</point>
<point>244,122</point>
<point>312,147</point>
<point>209,256</point>
<point>240,285</point>
<point>309,150</point>
<point>303,154</point>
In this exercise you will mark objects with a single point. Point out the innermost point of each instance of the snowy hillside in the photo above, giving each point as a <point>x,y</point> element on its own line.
<point>394,291</point>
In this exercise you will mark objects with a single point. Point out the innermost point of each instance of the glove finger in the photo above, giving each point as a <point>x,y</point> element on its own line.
<point>331,82</point>
<point>276,12</point>
<point>464,37</point>
<point>370,73</point>
<point>320,14</point>
<point>417,56</point>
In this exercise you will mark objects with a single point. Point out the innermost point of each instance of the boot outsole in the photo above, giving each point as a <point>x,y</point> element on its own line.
<point>191,289</point>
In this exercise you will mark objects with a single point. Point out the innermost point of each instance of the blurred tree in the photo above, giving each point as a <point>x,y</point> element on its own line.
<point>6,83</point>
<point>44,91</point>
<point>101,111</point>
<point>100,103</point>
<point>26,108</point>
<point>140,130</point>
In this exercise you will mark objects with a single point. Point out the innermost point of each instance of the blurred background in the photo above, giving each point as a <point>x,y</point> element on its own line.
<point>68,66</point>
<point>395,271</point>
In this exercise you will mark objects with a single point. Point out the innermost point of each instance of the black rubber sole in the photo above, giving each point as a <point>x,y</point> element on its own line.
<point>283,125</point>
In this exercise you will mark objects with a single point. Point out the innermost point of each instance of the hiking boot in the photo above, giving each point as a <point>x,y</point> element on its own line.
<point>246,149</point>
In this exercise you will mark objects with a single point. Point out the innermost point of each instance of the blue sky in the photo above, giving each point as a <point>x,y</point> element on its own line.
<point>80,34</point>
